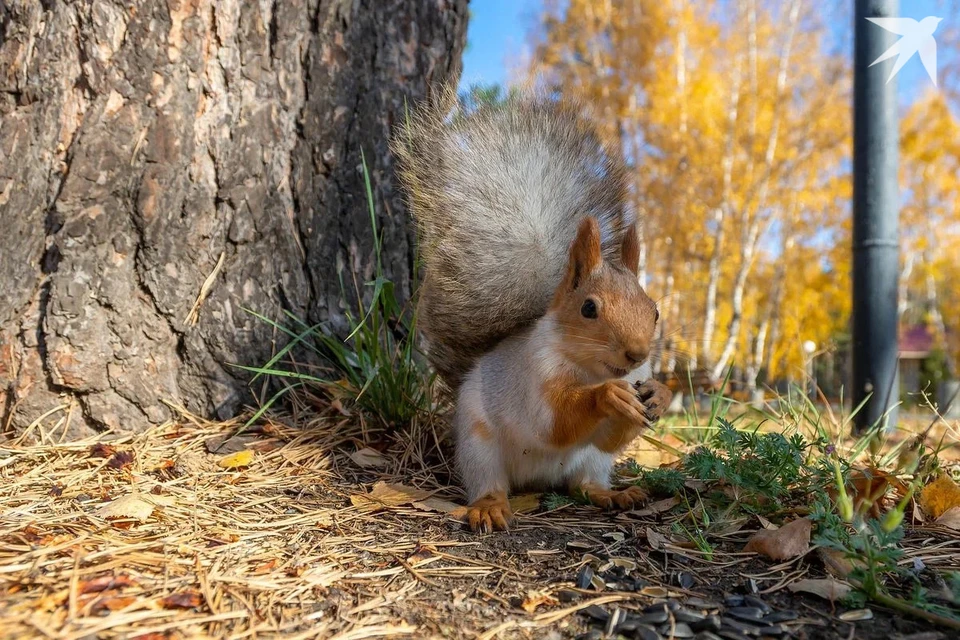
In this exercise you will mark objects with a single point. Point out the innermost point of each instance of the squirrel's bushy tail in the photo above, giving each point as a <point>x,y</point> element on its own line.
<point>497,195</point>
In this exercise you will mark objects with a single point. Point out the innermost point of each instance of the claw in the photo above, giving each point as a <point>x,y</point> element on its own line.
<point>490,513</point>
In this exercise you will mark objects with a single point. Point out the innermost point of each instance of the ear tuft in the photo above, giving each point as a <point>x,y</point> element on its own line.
<point>585,255</point>
<point>630,249</point>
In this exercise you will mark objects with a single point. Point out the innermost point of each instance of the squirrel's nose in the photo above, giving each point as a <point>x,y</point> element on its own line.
<point>636,357</point>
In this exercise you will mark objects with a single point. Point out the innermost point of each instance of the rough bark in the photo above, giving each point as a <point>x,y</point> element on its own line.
<point>165,164</point>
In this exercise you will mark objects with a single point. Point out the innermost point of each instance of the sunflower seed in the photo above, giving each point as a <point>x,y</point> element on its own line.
<point>745,613</point>
<point>856,615</point>
<point>678,630</point>
<point>754,601</point>
<point>597,612</point>
<point>780,616</point>
<point>584,577</point>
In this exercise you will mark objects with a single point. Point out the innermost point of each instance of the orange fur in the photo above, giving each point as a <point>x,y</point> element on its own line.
<point>630,250</point>
<point>614,437</point>
<point>575,408</point>
<point>620,336</point>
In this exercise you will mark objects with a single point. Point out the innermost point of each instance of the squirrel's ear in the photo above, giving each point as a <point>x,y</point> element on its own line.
<point>630,249</point>
<point>585,256</point>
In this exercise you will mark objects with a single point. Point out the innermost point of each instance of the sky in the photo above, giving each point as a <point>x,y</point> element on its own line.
<point>497,34</point>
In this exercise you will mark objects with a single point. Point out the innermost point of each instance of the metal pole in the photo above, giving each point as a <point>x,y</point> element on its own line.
<point>876,259</point>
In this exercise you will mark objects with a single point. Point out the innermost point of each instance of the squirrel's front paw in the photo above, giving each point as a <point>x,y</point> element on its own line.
<point>490,513</point>
<point>618,399</point>
<point>624,499</point>
<point>655,397</point>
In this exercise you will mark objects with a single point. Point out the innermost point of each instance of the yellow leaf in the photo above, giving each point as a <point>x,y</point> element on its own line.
<point>939,497</point>
<point>129,506</point>
<point>238,459</point>
<point>526,503</point>
<point>385,494</point>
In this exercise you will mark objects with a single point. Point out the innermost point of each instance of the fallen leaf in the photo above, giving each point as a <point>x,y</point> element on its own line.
<point>368,458</point>
<point>101,450</point>
<point>789,541</point>
<point>866,487</point>
<point>129,506</point>
<point>225,444</point>
<point>113,604</point>
<point>102,583</point>
<point>120,460</point>
<point>535,599</point>
<point>525,503</point>
<point>437,504</point>
<point>654,508</point>
<point>338,406</point>
<point>939,497</point>
<point>421,554</point>
<point>826,588</point>
<point>182,600</point>
<point>385,495</point>
<point>266,567</point>
<point>731,526</point>
<point>950,518</point>
<point>656,539</point>
<point>836,562</point>
<point>238,459</point>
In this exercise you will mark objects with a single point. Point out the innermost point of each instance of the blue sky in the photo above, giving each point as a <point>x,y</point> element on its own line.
<point>497,33</point>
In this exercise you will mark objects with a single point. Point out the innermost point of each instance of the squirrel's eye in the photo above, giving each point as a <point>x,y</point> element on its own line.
<point>656,318</point>
<point>589,309</point>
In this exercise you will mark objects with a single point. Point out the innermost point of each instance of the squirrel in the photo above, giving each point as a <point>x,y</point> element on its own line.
<point>530,306</point>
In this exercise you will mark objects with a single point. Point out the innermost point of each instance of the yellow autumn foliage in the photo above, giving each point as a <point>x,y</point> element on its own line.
<point>736,119</point>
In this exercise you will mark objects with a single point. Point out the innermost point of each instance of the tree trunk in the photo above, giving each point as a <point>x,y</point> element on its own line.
<point>165,164</point>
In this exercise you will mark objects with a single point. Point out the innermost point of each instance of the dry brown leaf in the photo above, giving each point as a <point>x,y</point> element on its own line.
<point>265,567</point>
<point>129,506</point>
<point>867,488</point>
<point>940,496</point>
<point>835,562</point>
<point>385,495</point>
<point>826,588</point>
<point>238,459</point>
<point>789,541</point>
<point>655,508</point>
<point>338,405</point>
<point>101,450</point>
<point>120,460</point>
<point>113,604</point>
<point>656,539</point>
<point>102,583</point>
<point>225,444</point>
<point>368,458</point>
<point>437,504</point>
<point>536,598</point>
<point>950,518</point>
<point>182,600</point>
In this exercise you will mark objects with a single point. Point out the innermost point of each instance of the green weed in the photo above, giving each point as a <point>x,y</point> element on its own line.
<point>377,367</point>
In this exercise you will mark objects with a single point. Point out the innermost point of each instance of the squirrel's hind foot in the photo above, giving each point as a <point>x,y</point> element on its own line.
<point>490,513</point>
<point>623,499</point>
